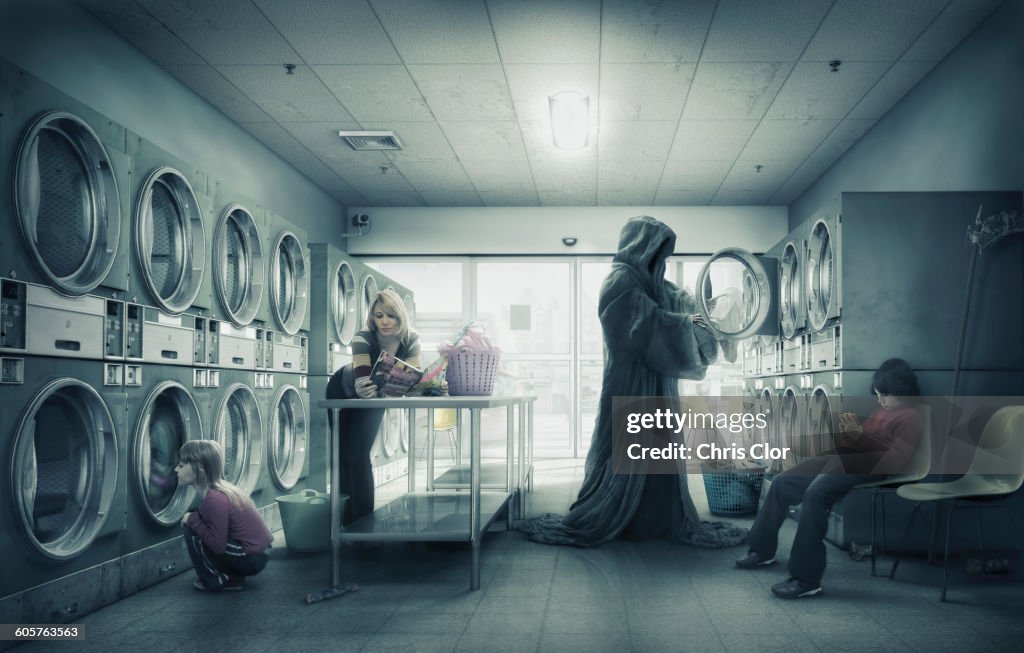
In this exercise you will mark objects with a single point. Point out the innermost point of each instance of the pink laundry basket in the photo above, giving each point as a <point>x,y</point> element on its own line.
<point>472,373</point>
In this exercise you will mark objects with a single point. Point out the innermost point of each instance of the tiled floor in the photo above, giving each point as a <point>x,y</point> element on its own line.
<point>646,596</point>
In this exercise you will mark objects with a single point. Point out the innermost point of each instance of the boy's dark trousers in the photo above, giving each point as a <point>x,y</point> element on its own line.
<point>217,569</point>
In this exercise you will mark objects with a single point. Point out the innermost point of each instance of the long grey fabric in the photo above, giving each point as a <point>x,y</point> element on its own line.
<point>651,341</point>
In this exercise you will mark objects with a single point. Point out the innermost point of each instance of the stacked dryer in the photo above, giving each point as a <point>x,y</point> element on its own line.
<point>884,275</point>
<point>63,438</point>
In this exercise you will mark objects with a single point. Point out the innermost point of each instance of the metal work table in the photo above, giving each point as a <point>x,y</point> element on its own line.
<point>433,516</point>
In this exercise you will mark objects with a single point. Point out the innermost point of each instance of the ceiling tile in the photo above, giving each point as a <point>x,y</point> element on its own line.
<point>631,140</point>
<point>503,176</point>
<point>741,197</point>
<point>956,21</point>
<point>485,140</point>
<point>694,175</point>
<point>644,91</point>
<point>393,198</point>
<point>683,197</point>
<point>224,32</point>
<point>509,198</point>
<point>871,30</point>
<point>814,91</point>
<point>451,198</point>
<point>707,140</point>
<point>540,146</point>
<point>465,91</point>
<point>369,177</point>
<point>349,199</point>
<point>616,175</point>
<point>642,32</point>
<point>754,30</point>
<point>299,97</point>
<point>633,197</point>
<point>435,175</point>
<point>531,85</point>
<point>745,175</point>
<point>734,90</point>
<point>547,31</point>
<point>278,139</point>
<point>567,197</point>
<point>572,177</point>
<point>421,141</point>
<point>215,89</point>
<point>899,79</point>
<point>438,31</point>
<point>138,27</point>
<point>841,138</point>
<point>375,92</point>
<point>785,140</point>
<point>327,32</point>
<point>321,138</point>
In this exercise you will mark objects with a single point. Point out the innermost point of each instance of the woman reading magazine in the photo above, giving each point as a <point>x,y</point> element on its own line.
<point>387,330</point>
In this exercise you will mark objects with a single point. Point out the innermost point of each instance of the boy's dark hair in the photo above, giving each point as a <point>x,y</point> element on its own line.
<point>896,377</point>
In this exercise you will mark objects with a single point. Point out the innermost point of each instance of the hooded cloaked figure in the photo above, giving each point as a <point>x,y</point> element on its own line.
<point>652,339</point>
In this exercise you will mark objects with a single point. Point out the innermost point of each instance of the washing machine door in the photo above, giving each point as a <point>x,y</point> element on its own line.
<point>238,427</point>
<point>344,306</point>
<point>391,433</point>
<point>369,292</point>
<point>67,202</point>
<point>170,240</point>
<point>238,264</point>
<point>168,418</point>
<point>63,468</point>
<point>410,309</point>
<point>735,294</point>
<point>289,437</point>
<point>822,418</point>
<point>820,279</point>
<point>791,428</point>
<point>791,301</point>
<point>289,282</point>
<point>766,405</point>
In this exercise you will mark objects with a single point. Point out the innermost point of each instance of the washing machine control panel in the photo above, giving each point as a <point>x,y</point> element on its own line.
<point>12,315</point>
<point>133,331</point>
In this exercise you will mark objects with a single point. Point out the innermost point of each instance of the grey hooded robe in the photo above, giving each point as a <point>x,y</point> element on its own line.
<point>651,341</point>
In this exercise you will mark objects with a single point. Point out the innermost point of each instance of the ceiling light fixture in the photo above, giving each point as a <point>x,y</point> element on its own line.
<point>570,119</point>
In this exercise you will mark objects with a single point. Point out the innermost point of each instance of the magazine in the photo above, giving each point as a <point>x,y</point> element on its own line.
<point>393,376</point>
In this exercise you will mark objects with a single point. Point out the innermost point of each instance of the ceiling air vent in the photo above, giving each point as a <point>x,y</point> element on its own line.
<point>366,140</point>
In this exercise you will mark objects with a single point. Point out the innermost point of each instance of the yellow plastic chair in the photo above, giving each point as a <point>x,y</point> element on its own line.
<point>445,419</point>
<point>995,472</point>
<point>916,470</point>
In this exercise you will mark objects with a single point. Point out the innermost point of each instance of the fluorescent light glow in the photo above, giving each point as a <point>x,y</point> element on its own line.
<point>570,119</point>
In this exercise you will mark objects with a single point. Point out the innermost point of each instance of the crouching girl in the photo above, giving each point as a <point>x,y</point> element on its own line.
<point>226,537</point>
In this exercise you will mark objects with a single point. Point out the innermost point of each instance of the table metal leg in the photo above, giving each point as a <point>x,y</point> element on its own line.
<point>521,486</point>
<point>431,434</point>
<point>458,436</point>
<point>474,497</point>
<point>412,448</point>
<point>510,459</point>
<point>529,443</point>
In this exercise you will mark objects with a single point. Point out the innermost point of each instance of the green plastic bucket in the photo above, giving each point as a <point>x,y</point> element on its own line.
<point>306,518</point>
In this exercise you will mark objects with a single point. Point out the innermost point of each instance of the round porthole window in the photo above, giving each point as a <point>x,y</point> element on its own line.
<point>239,428</point>
<point>289,437</point>
<point>238,264</point>
<point>67,202</point>
<point>64,468</point>
<point>289,283</point>
<point>170,241</point>
<point>343,304</point>
<point>369,292</point>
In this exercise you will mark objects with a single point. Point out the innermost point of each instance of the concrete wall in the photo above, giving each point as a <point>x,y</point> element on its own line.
<point>960,128</point>
<point>62,44</point>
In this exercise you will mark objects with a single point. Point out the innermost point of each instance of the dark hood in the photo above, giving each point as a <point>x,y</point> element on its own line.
<point>645,244</point>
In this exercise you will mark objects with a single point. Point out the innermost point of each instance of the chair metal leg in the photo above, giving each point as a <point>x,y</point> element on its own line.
<point>903,542</point>
<point>981,539</point>
<point>945,564</point>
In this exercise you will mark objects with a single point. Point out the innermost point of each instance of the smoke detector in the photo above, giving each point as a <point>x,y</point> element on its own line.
<point>371,140</point>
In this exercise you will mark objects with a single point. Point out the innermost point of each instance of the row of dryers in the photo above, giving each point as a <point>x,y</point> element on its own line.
<point>341,290</point>
<point>100,209</point>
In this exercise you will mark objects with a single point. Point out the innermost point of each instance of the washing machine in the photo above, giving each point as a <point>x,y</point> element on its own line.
<point>239,262</point>
<point>822,292</point>
<point>239,423</point>
<point>288,434</point>
<point>792,425</point>
<point>172,213</point>
<point>162,415</point>
<point>737,294</point>
<point>288,276</point>
<point>64,178</point>
<point>334,309</point>
<point>63,449</point>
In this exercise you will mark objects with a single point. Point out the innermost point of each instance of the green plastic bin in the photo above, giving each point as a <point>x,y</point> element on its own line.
<point>306,518</point>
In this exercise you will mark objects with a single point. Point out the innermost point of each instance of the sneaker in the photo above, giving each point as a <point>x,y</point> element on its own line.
<point>230,586</point>
<point>794,588</point>
<point>753,560</point>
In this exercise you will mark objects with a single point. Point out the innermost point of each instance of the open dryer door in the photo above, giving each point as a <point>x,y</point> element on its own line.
<point>737,294</point>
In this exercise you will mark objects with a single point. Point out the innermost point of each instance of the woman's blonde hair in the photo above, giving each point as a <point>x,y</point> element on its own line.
<point>392,304</point>
<point>207,460</point>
